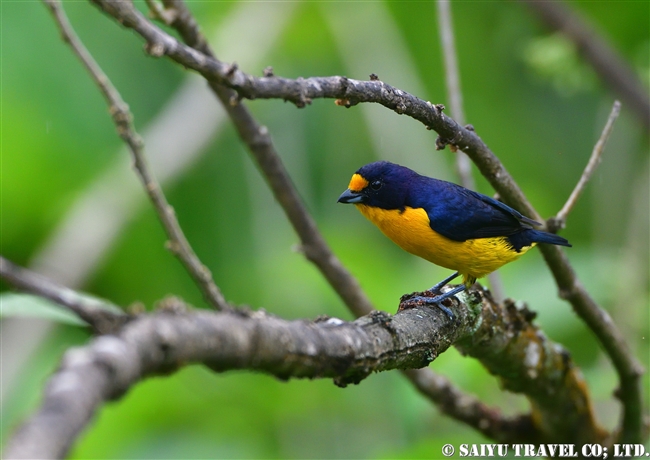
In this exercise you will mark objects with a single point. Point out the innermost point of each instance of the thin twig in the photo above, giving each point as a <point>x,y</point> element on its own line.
<point>166,16</point>
<point>102,317</point>
<point>467,409</point>
<point>452,79</point>
<point>123,120</point>
<point>592,164</point>
<point>604,58</point>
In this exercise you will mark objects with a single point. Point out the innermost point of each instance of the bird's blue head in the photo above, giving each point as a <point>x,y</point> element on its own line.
<point>381,184</point>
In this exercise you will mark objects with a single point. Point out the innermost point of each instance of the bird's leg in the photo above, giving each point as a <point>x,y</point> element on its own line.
<point>438,286</point>
<point>414,299</point>
<point>437,301</point>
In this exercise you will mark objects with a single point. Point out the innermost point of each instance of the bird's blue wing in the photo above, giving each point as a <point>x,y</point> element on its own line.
<point>461,214</point>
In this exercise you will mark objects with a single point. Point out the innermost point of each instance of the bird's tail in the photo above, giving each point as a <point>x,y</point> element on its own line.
<point>538,236</point>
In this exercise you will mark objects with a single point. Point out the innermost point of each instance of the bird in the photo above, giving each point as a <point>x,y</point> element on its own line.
<point>444,223</point>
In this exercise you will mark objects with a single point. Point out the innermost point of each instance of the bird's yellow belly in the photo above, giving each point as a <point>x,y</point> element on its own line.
<point>410,230</point>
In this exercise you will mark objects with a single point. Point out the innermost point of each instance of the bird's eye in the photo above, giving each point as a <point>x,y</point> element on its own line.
<point>376,185</point>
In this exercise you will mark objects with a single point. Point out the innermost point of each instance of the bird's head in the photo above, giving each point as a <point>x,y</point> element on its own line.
<point>380,184</point>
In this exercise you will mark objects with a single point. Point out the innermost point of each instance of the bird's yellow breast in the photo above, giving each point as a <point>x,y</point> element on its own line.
<point>473,258</point>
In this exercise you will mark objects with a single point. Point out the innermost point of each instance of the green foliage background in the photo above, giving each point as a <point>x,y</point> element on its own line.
<point>528,95</point>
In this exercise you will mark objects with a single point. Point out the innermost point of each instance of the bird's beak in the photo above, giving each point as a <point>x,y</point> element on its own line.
<point>350,197</point>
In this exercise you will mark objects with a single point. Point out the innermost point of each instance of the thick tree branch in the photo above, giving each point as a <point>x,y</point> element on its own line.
<point>123,120</point>
<point>523,357</point>
<point>101,317</point>
<point>607,62</point>
<point>503,338</point>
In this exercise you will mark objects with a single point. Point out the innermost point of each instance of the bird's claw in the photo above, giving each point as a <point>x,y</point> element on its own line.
<point>433,296</point>
<point>416,299</point>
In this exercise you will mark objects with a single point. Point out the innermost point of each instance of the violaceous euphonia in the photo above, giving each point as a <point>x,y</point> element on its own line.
<point>443,223</point>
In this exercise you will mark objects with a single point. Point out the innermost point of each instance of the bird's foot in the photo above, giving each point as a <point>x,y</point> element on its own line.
<point>432,296</point>
<point>429,297</point>
<point>418,301</point>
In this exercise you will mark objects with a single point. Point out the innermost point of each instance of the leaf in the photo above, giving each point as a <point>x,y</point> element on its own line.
<point>26,305</point>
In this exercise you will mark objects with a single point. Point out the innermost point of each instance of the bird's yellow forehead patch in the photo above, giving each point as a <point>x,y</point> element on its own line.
<point>357,183</point>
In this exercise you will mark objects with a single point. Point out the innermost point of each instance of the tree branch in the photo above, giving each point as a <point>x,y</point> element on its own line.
<point>469,410</point>
<point>103,318</point>
<point>559,221</point>
<point>503,338</point>
<point>523,357</point>
<point>452,80</point>
<point>123,120</point>
<point>351,92</point>
<point>600,322</point>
